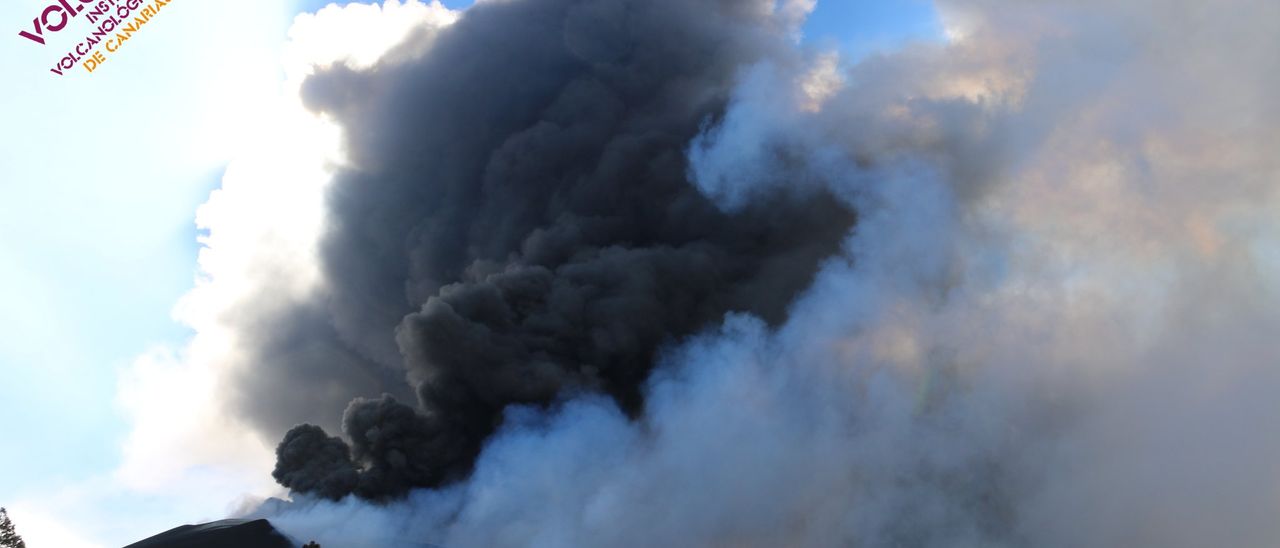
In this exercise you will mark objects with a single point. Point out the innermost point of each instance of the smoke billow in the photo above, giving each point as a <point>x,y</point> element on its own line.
<point>516,221</point>
<point>612,245</point>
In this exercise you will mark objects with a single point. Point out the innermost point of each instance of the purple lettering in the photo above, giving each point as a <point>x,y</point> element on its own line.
<point>44,17</point>
<point>38,37</point>
<point>72,11</point>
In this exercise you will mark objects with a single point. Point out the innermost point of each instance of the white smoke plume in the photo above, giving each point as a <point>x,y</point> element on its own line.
<point>258,255</point>
<point>1053,324</point>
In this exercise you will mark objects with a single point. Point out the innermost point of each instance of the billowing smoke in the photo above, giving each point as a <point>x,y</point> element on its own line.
<point>611,245</point>
<point>516,224</point>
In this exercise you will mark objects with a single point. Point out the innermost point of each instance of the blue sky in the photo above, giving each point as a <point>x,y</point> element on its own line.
<point>860,27</point>
<point>99,186</point>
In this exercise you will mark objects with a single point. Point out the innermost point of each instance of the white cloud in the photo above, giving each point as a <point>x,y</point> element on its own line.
<point>262,225</point>
<point>185,457</point>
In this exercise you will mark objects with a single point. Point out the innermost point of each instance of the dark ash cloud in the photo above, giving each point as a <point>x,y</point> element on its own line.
<point>517,224</point>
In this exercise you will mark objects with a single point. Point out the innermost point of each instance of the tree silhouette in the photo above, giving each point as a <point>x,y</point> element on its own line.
<point>8,536</point>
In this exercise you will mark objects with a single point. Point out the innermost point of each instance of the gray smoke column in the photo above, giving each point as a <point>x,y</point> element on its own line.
<point>1053,323</point>
<point>517,224</point>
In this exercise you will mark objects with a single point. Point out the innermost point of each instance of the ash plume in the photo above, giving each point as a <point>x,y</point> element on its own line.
<point>611,247</point>
<point>517,224</point>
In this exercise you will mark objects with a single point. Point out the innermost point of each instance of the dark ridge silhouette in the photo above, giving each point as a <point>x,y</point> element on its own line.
<point>227,533</point>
